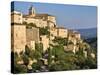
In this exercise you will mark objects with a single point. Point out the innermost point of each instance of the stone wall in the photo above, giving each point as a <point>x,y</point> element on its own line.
<point>52,19</point>
<point>18,38</point>
<point>32,36</point>
<point>45,41</point>
<point>37,22</point>
<point>16,17</point>
<point>62,32</point>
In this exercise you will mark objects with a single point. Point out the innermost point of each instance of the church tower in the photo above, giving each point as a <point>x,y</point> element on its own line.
<point>31,11</point>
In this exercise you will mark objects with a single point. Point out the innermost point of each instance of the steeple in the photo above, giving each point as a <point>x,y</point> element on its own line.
<point>31,11</point>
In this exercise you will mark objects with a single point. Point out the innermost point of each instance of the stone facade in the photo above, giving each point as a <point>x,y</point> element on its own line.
<point>16,17</point>
<point>37,22</point>
<point>62,32</point>
<point>74,37</point>
<point>45,41</point>
<point>53,31</point>
<point>32,37</point>
<point>71,47</point>
<point>32,34</point>
<point>52,19</point>
<point>40,20</point>
<point>18,38</point>
<point>58,32</point>
<point>22,35</point>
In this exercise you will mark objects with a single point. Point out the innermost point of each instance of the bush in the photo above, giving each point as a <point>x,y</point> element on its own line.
<point>62,41</point>
<point>20,68</point>
<point>25,59</point>
<point>44,31</point>
<point>32,24</point>
<point>35,67</point>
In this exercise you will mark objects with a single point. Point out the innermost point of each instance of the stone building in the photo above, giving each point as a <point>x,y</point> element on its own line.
<point>32,37</point>
<point>31,11</point>
<point>46,17</point>
<point>58,32</point>
<point>37,22</point>
<point>74,36</point>
<point>22,35</point>
<point>62,32</point>
<point>40,20</point>
<point>73,39</point>
<point>18,37</point>
<point>53,33</point>
<point>77,35</point>
<point>45,41</point>
<point>71,47</point>
<point>16,17</point>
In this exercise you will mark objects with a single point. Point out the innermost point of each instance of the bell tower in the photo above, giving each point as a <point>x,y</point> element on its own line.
<point>31,11</point>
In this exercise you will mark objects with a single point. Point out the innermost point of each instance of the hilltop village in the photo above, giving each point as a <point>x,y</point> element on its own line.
<point>32,30</point>
<point>29,36</point>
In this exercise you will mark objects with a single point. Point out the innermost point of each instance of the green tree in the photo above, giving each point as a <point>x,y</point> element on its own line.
<point>38,51</point>
<point>91,62</point>
<point>35,66</point>
<point>25,23</point>
<point>17,68</point>
<point>32,24</point>
<point>44,31</point>
<point>49,56</point>
<point>20,68</point>
<point>62,41</point>
<point>25,59</point>
<point>27,50</point>
<point>64,64</point>
<point>63,60</point>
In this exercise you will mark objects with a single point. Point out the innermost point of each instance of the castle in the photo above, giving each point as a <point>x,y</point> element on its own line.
<point>23,35</point>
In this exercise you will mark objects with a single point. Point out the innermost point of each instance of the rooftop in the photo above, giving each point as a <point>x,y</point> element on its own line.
<point>16,12</point>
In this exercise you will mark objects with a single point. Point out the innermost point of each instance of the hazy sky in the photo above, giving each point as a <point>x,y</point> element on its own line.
<point>69,16</point>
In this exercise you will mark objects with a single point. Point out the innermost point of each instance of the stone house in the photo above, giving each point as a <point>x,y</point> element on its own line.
<point>45,41</point>
<point>32,37</point>
<point>18,37</point>
<point>74,36</point>
<point>40,20</point>
<point>22,36</point>
<point>16,17</point>
<point>62,32</point>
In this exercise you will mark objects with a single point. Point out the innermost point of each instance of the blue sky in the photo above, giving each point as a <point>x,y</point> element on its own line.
<point>69,16</point>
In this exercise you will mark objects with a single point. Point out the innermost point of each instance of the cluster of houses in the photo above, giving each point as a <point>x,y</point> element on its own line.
<point>22,36</point>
